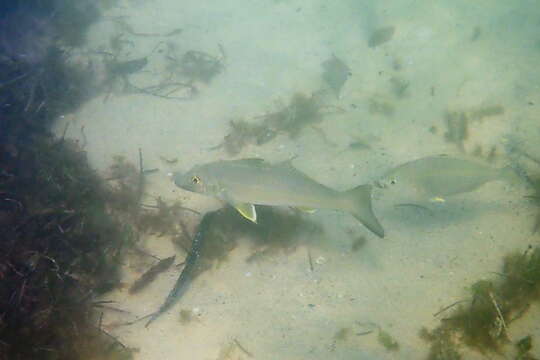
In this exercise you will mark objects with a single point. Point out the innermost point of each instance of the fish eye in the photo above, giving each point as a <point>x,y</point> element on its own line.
<point>393,181</point>
<point>196,180</point>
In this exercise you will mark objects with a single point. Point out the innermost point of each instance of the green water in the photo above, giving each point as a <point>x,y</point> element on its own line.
<point>348,90</point>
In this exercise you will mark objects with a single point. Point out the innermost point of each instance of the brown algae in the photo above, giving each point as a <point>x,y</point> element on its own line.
<point>342,334</point>
<point>457,128</point>
<point>381,36</point>
<point>482,321</point>
<point>387,341</point>
<point>301,112</point>
<point>335,74</point>
<point>379,105</point>
<point>185,316</point>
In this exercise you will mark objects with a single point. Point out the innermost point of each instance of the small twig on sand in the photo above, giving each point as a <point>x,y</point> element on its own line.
<point>499,315</point>
<point>448,307</point>
<point>310,260</point>
<point>84,139</point>
<point>66,126</point>
<point>141,180</point>
<point>243,349</point>
<point>114,339</point>
<point>100,322</point>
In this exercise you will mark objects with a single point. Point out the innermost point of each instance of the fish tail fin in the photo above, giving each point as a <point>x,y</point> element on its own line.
<point>359,200</point>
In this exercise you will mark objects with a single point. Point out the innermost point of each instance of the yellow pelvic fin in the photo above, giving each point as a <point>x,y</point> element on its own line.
<point>247,211</point>
<point>306,209</point>
<point>437,199</point>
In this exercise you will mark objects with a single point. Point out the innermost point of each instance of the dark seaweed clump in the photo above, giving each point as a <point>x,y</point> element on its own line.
<point>35,45</point>
<point>277,231</point>
<point>60,248</point>
<point>381,36</point>
<point>60,242</point>
<point>482,322</point>
<point>195,65</point>
<point>527,165</point>
<point>458,124</point>
<point>216,236</point>
<point>302,111</point>
<point>387,341</point>
<point>535,197</point>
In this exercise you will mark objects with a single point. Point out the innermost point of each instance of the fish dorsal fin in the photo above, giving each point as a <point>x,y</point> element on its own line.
<point>247,210</point>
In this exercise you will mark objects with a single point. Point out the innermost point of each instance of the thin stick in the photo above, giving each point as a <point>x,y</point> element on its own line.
<point>141,168</point>
<point>100,322</point>
<point>367,332</point>
<point>448,307</point>
<point>520,313</point>
<point>127,323</point>
<point>536,226</point>
<point>84,139</point>
<point>499,314</point>
<point>115,340</point>
<point>530,157</point>
<point>17,78</point>
<point>243,349</point>
<point>141,180</point>
<point>310,259</point>
<point>64,132</point>
<point>103,306</point>
<point>153,90</point>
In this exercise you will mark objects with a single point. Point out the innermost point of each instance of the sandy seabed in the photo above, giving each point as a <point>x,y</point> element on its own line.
<point>455,56</point>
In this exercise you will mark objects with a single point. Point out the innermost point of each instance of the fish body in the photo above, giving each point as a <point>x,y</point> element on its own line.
<point>189,271</point>
<point>248,182</point>
<point>434,178</point>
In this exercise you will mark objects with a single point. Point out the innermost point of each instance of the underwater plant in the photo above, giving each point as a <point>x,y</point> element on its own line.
<point>60,243</point>
<point>482,322</point>
<point>34,48</point>
<point>301,112</point>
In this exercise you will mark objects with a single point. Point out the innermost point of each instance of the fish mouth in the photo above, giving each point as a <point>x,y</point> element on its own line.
<point>380,184</point>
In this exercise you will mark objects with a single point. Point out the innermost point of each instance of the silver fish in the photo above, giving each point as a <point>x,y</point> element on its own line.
<point>434,178</point>
<point>248,182</point>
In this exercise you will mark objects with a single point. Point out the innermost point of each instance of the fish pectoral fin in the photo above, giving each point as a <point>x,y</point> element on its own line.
<point>247,210</point>
<point>437,199</point>
<point>306,209</point>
